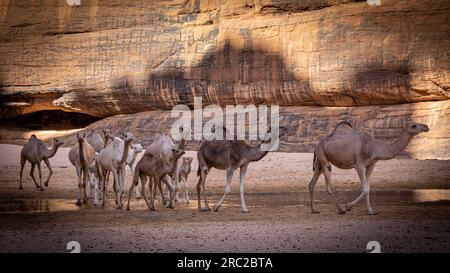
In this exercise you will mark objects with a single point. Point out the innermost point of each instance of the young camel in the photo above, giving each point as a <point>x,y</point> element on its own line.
<point>183,173</point>
<point>113,159</point>
<point>135,149</point>
<point>81,156</point>
<point>34,152</point>
<point>227,155</point>
<point>348,148</point>
<point>157,170</point>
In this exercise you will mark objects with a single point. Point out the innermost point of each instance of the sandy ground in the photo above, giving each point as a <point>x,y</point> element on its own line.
<point>409,196</point>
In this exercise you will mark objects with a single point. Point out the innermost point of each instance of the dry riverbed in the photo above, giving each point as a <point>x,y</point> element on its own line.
<point>411,197</point>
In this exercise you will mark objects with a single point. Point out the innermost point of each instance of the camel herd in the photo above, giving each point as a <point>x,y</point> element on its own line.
<point>96,156</point>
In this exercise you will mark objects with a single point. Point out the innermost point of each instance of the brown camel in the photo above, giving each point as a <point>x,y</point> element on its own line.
<point>34,152</point>
<point>348,148</point>
<point>82,156</point>
<point>227,155</point>
<point>157,170</point>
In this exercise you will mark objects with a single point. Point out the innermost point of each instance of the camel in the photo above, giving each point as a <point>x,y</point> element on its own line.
<point>227,155</point>
<point>113,159</point>
<point>135,149</point>
<point>183,173</point>
<point>34,152</point>
<point>348,148</point>
<point>157,170</point>
<point>81,156</point>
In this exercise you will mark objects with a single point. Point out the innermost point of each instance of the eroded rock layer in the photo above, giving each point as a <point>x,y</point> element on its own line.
<point>306,124</point>
<point>106,57</point>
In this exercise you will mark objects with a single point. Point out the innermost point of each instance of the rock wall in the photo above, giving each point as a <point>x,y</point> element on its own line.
<point>322,61</point>
<point>306,124</point>
<point>114,57</point>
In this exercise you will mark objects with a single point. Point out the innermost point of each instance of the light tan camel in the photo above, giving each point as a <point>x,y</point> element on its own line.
<point>113,159</point>
<point>135,149</point>
<point>157,170</point>
<point>227,155</point>
<point>183,173</point>
<point>348,148</point>
<point>81,156</point>
<point>34,152</point>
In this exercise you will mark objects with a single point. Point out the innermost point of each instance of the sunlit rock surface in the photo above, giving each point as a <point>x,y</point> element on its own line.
<point>104,58</point>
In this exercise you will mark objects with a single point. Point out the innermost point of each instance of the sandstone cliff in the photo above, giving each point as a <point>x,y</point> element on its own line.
<point>105,58</point>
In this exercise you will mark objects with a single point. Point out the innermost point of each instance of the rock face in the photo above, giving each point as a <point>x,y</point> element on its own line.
<point>114,57</point>
<point>322,61</point>
<point>306,124</point>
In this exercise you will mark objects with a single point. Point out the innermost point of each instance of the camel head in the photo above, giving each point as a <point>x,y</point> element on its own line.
<point>188,160</point>
<point>179,151</point>
<point>137,148</point>
<point>127,137</point>
<point>106,133</point>
<point>415,128</point>
<point>58,142</point>
<point>81,136</point>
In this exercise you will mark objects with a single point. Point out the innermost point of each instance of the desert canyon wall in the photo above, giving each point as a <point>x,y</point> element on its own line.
<point>322,61</point>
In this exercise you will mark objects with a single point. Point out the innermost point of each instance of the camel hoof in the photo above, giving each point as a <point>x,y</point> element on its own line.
<point>315,211</point>
<point>372,213</point>
<point>138,197</point>
<point>216,209</point>
<point>20,188</point>
<point>204,209</point>
<point>152,209</point>
<point>46,183</point>
<point>78,203</point>
<point>41,189</point>
<point>348,207</point>
<point>187,202</point>
<point>341,212</point>
<point>245,211</point>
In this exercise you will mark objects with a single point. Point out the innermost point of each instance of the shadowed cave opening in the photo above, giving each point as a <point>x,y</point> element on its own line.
<point>50,120</point>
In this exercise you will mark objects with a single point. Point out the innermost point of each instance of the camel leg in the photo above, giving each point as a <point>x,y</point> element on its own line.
<point>78,169</point>
<point>121,184</point>
<point>41,188</point>
<point>186,189</point>
<point>116,181</point>
<point>369,172</point>
<point>312,184</point>
<point>85,178</point>
<point>157,183</point>
<point>94,189</point>
<point>22,165</point>
<point>227,188</point>
<point>32,175</point>
<point>130,192</point>
<point>330,192</point>
<point>201,189</point>
<point>151,205</point>
<point>365,187</point>
<point>241,188</point>
<point>47,163</point>
<point>103,184</point>
<point>171,190</point>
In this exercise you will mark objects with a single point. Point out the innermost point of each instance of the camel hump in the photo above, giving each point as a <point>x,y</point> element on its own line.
<point>342,126</point>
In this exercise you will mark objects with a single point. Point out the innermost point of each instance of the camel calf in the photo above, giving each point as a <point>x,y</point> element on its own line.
<point>183,173</point>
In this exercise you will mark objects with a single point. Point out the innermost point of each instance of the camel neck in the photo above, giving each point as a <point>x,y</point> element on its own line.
<point>126,146</point>
<point>50,153</point>
<point>390,151</point>
<point>255,153</point>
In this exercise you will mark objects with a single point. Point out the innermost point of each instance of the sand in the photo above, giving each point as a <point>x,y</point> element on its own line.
<point>405,193</point>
